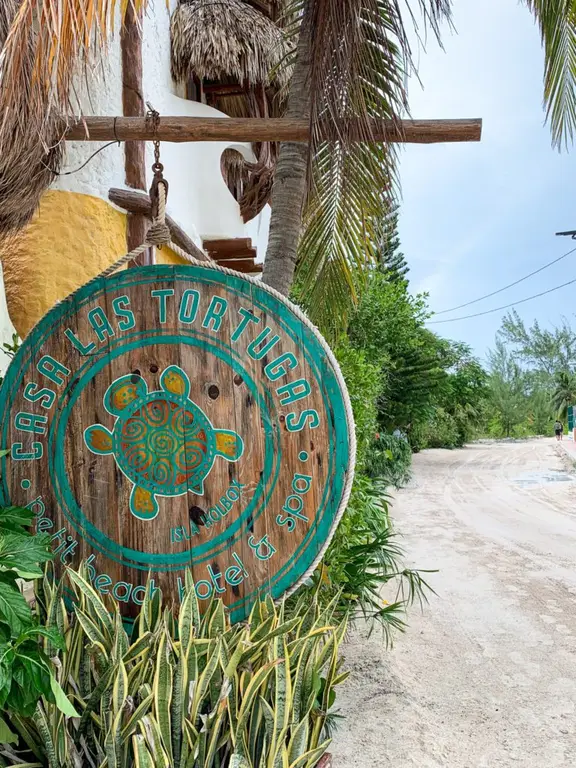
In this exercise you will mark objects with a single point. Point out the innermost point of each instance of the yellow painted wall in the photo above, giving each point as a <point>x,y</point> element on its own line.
<point>71,239</point>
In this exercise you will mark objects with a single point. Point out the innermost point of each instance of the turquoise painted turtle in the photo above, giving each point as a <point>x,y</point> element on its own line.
<point>162,441</point>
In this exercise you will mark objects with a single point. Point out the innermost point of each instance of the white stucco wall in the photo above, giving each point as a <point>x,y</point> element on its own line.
<point>199,199</point>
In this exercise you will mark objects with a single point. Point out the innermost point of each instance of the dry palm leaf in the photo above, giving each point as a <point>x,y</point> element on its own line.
<point>44,44</point>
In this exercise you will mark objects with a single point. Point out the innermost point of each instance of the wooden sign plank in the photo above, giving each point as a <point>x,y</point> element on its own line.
<point>176,417</point>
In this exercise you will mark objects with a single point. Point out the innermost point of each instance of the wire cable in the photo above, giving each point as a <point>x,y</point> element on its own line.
<point>510,285</point>
<point>506,306</point>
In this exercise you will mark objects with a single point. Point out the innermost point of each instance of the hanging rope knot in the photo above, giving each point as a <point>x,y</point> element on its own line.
<point>159,233</point>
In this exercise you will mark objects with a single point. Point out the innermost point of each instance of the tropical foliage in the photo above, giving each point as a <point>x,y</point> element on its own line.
<point>188,692</point>
<point>26,672</point>
<point>532,377</point>
<point>351,63</point>
<point>557,22</point>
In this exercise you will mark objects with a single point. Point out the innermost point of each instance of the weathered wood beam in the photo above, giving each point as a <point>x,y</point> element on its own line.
<point>138,203</point>
<point>133,106</point>
<point>184,129</point>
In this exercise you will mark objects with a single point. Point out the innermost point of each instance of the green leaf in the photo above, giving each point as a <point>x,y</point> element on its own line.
<point>14,609</point>
<point>61,700</point>
<point>6,735</point>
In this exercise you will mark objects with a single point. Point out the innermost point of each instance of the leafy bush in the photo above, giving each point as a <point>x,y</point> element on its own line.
<point>191,693</point>
<point>364,383</point>
<point>362,559</point>
<point>389,460</point>
<point>25,669</point>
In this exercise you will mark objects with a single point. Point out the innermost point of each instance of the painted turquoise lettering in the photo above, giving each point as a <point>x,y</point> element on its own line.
<point>189,306</point>
<point>162,295</point>
<point>293,391</point>
<point>234,575</point>
<point>84,349</point>
<point>233,494</point>
<point>206,589</point>
<point>120,306</point>
<point>263,549</point>
<point>44,524</point>
<point>214,514</point>
<point>215,313</point>
<point>226,503</point>
<point>296,423</point>
<point>30,422</point>
<point>136,598</point>
<point>125,596</point>
<point>286,520</point>
<point>301,483</point>
<point>37,506</point>
<point>45,396</point>
<point>240,564</point>
<point>216,576</point>
<point>52,369</point>
<point>280,367</point>
<point>247,317</point>
<point>296,510</point>
<point>19,454</point>
<point>101,582</point>
<point>258,354</point>
<point>98,320</point>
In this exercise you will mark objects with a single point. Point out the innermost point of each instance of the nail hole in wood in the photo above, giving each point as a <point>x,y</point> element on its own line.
<point>213,392</point>
<point>153,369</point>
<point>197,515</point>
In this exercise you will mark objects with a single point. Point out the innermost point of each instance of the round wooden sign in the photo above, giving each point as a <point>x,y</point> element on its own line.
<point>176,417</point>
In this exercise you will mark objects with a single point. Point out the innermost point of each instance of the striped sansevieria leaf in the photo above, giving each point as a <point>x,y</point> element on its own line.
<point>185,692</point>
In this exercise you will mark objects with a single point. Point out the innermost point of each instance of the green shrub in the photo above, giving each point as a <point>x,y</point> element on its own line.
<point>363,557</point>
<point>364,382</point>
<point>26,673</point>
<point>389,460</point>
<point>192,692</point>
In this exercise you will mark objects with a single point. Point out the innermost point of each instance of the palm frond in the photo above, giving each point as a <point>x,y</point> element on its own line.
<point>557,22</point>
<point>43,46</point>
<point>360,57</point>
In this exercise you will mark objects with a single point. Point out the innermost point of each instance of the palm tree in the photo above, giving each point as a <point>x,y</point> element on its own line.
<point>329,198</point>
<point>557,22</point>
<point>564,392</point>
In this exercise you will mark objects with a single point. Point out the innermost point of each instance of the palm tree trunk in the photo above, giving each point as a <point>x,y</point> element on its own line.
<point>291,177</point>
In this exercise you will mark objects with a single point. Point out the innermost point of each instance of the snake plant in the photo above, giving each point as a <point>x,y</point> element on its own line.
<point>190,691</point>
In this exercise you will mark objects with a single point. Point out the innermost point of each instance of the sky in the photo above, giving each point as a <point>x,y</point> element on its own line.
<point>477,216</point>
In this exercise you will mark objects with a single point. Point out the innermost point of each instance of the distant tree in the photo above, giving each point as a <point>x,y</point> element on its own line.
<point>543,350</point>
<point>507,389</point>
<point>392,263</point>
<point>564,393</point>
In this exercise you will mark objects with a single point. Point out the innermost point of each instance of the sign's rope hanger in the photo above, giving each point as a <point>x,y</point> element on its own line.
<point>188,129</point>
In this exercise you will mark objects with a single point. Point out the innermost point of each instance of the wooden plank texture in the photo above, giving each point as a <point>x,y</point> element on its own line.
<point>181,129</point>
<point>174,417</point>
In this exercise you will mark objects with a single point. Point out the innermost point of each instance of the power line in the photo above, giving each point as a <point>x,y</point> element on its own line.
<point>511,285</point>
<point>506,306</point>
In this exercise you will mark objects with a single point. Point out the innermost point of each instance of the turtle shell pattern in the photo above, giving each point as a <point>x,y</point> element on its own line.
<point>162,441</point>
<point>164,444</point>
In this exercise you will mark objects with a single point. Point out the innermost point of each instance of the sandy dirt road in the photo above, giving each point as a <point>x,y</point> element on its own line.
<point>486,676</point>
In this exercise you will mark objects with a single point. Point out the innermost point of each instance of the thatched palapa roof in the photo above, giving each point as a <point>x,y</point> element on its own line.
<point>211,40</point>
<point>27,163</point>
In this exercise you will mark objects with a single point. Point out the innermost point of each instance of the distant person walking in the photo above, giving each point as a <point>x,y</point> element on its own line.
<point>558,430</point>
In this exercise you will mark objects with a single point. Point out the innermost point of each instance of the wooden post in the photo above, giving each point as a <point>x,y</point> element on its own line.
<point>133,106</point>
<point>184,129</point>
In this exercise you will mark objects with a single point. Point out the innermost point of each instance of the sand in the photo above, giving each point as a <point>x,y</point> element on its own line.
<point>486,675</point>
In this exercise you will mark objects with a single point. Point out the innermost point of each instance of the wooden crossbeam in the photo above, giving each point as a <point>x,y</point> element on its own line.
<point>185,129</point>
